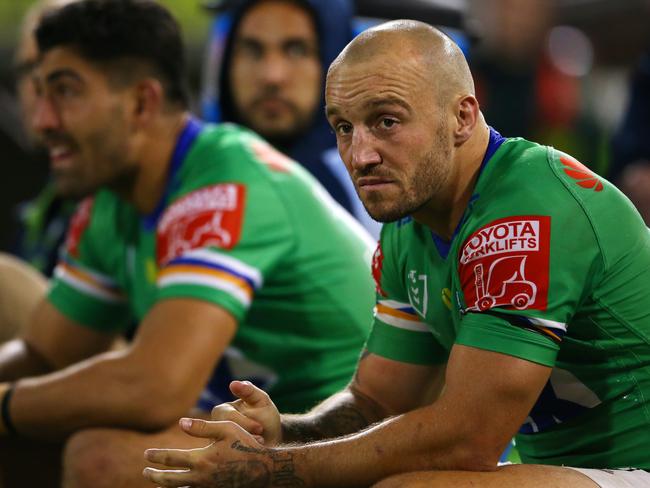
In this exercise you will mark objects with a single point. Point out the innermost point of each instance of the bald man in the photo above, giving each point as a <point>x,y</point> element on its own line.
<point>512,298</point>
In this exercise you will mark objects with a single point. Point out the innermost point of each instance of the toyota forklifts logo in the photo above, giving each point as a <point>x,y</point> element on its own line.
<point>506,264</point>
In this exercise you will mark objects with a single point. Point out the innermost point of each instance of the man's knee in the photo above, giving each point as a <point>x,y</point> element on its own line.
<point>21,288</point>
<point>92,458</point>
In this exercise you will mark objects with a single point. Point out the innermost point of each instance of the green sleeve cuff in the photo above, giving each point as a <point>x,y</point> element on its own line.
<point>404,345</point>
<point>87,310</point>
<point>491,333</point>
<point>207,294</point>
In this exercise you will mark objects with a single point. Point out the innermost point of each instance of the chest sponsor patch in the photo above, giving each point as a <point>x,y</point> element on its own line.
<point>506,264</point>
<point>78,225</point>
<point>211,216</point>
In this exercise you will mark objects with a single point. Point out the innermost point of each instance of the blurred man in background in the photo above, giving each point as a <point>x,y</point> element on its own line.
<point>266,68</point>
<point>44,220</point>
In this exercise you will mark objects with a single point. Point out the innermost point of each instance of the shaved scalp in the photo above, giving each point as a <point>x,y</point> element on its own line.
<point>443,63</point>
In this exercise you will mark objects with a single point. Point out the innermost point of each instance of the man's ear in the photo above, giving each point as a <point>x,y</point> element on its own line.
<point>467,115</point>
<point>149,100</point>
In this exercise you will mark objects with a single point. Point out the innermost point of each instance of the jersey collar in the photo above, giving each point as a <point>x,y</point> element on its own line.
<point>188,135</point>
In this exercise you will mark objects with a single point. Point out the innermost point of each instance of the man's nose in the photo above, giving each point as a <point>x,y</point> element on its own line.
<point>364,150</point>
<point>44,116</point>
<point>275,68</point>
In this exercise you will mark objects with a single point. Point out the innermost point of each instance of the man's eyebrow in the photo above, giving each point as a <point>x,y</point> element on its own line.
<point>375,103</point>
<point>24,68</point>
<point>378,102</point>
<point>245,39</point>
<point>62,73</point>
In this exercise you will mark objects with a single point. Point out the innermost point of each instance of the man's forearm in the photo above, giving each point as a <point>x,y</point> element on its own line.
<point>103,391</point>
<point>344,413</point>
<point>424,439</point>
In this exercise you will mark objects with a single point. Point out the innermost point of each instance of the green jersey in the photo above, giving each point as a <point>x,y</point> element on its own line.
<point>245,228</point>
<point>550,264</point>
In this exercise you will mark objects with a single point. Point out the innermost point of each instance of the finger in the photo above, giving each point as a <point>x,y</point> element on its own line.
<point>169,477</point>
<point>174,458</point>
<point>250,393</point>
<point>228,412</point>
<point>259,439</point>
<point>205,429</point>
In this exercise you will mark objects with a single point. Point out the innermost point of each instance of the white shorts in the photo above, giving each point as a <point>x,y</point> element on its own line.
<point>617,478</point>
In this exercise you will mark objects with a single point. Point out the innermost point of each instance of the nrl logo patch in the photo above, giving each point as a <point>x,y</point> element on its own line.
<point>418,292</point>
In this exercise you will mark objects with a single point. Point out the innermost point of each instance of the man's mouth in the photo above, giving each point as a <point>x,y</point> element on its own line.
<point>59,155</point>
<point>373,182</point>
<point>273,104</point>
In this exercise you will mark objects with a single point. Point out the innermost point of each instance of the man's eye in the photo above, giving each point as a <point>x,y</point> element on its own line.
<point>387,123</point>
<point>343,129</point>
<point>297,49</point>
<point>249,50</point>
<point>63,90</point>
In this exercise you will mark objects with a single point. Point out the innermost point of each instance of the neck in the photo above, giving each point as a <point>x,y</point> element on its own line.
<point>443,215</point>
<point>153,161</point>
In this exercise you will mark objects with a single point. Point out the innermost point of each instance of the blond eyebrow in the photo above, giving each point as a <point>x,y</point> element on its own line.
<point>378,102</point>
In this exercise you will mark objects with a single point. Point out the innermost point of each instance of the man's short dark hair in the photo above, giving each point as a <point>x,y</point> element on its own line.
<point>108,31</point>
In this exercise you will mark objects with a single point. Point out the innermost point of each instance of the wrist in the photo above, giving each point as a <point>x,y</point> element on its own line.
<point>289,468</point>
<point>4,388</point>
<point>6,424</point>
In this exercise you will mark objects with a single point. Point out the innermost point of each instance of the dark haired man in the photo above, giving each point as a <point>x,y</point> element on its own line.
<point>206,234</point>
<point>266,68</point>
<point>512,295</point>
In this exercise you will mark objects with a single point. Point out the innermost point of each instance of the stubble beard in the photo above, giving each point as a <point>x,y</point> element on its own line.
<point>430,178</point>
<point>280,137</point>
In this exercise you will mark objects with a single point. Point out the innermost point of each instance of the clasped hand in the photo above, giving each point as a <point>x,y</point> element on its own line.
<point>243,433</point>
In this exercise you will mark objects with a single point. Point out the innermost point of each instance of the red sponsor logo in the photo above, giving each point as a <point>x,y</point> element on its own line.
<point>579,172</point>
<point>506,264</point>
<point>377,263</point>
<point>211,216</point>
<point>270,156</point>
<point>78,225</point>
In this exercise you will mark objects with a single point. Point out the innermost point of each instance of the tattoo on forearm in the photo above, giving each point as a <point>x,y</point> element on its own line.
<point>283,474</point>
<point>236,474</point>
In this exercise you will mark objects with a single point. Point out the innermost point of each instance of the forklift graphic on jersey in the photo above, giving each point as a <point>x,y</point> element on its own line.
<point>515,290</point>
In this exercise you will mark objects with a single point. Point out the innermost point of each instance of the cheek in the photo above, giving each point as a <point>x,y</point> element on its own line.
<point>345,152</point>
<point>242,79</point>
<point>308,82</point>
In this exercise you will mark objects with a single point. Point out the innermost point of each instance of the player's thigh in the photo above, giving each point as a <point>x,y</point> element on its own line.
<point>514,476</point>
<point>115,457</point>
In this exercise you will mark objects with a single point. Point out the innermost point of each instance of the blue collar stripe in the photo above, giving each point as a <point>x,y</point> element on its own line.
<point>494,143</point>
<point>185,140</point>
